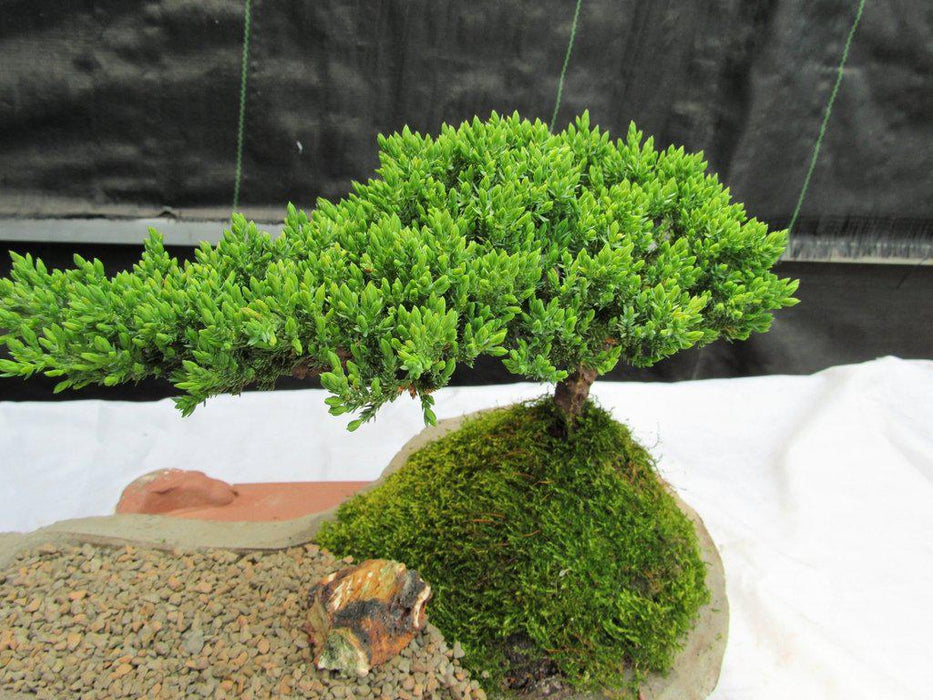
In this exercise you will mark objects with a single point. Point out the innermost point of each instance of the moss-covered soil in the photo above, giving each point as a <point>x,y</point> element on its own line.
<point>552,552</point>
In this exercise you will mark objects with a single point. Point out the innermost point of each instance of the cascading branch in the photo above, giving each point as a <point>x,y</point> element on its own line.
<point>563,254</point>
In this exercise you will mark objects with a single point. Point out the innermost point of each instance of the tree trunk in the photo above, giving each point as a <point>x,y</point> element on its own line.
<point>571,394</point>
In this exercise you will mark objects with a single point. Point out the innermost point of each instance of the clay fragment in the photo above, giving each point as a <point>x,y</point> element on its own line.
<point>167,490</point>
<point>364,615</point>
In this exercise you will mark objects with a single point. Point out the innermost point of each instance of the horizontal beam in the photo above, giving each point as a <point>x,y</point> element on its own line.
<point>894,249</point>
<point>116,231</point>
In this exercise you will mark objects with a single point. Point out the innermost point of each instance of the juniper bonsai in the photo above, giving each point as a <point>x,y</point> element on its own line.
<point>563,254</point>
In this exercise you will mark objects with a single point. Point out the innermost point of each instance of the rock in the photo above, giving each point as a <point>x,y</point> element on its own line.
<point>167,490</point>
<point>193,641</point>
<point>121,671</point>
<point>362,616</point>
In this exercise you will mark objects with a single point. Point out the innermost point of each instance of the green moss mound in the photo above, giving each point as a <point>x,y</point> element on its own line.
<point>546,547</point>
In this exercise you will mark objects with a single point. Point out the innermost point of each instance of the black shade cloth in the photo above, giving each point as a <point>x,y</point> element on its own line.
<point>126,108</point>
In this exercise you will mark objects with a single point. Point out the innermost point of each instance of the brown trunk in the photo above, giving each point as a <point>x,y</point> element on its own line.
<point>572,393</point>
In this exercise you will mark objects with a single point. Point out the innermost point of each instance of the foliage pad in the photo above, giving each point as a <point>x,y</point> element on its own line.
<point>552,251</point>
<point>525,532</point>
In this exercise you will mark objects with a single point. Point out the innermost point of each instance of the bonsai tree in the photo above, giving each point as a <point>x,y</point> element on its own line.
<point>563,254</point>
<point>551,543</point>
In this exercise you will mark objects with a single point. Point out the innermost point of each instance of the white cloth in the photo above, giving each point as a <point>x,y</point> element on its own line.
<point>818,491</point>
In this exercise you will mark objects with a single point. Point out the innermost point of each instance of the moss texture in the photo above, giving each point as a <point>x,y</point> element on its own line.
<point>547,548</point>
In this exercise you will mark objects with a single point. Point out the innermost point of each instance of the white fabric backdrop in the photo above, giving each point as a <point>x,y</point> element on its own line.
<point>818,491</point>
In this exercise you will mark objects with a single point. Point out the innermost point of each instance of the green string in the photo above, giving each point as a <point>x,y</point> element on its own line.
<point>829,109</point>
<point>563,71</point>
<point>244,69</point>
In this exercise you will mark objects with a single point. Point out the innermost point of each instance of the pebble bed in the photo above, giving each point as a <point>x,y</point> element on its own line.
<point>88,621</point>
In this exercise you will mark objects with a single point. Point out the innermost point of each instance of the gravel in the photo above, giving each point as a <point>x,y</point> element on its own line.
<point>89,621</point>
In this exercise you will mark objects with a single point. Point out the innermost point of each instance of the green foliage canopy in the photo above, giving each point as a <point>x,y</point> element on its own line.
<point>552,251</point>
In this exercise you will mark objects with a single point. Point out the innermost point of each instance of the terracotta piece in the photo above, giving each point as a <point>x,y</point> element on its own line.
<point>192,494</point>
<point>265,502</point>
<point>364,615</point>
<point>166,490</point>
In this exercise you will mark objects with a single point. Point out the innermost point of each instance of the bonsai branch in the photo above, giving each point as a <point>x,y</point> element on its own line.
<point>308,368</point>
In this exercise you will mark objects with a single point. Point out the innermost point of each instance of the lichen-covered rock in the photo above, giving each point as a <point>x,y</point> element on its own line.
<point>366,614</point>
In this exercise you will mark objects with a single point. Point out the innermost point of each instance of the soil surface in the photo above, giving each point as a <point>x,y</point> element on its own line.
<point>95,621</point>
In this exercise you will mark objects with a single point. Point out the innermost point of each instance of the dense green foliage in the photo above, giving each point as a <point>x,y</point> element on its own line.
<point>570,542</point>
<point>553,251</point>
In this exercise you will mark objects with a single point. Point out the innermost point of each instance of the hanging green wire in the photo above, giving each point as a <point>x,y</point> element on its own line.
<point>829,109</point>
<point>563,71</point>
<point>241,126</point>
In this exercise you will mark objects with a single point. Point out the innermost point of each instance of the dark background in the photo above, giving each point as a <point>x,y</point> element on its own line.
<point>128,108</point>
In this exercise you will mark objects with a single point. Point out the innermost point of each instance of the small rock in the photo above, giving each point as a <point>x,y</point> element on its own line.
<point>364,615</point>
<point>121,670</point>
<point>458,651</point>
<point>198,663</point>
<point>193,641</point>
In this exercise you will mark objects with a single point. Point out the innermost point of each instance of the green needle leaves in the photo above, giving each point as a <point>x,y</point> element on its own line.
<point>551,251</point>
